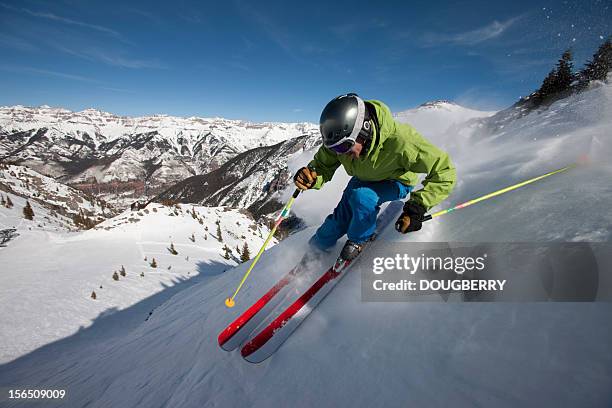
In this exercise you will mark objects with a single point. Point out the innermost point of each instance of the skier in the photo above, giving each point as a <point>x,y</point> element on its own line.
<point>384,157</point>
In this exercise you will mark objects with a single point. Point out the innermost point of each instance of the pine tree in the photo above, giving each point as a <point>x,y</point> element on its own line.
<point>142,274</point>
<point>598,67</point>
<point>9,203</point>
<point>2,200</point>
<point>219,236</point>
<point>246,254</point>
<point>192,237</point>
<point>228,252</point>
<point>122,271</point>
<point>153,263</point>
<point>558,80</point>
<point>28,212</point>
<point>172,250</point>
<point>115,276</point>
<point>565,72</point>
<point>194,215</point>
<point>93,295</point>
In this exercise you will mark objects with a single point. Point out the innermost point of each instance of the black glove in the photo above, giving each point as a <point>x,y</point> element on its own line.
<point>411,218</point>
<point>305,178</point>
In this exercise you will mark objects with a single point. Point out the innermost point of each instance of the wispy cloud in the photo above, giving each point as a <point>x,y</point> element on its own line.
<point>192,17</point>
<point>112,89</point>
<point>348,31</point>
<point>471,37</point>
<point>315,49</point>
<point>44,72</point>
<point>64,20</point>
<point>16,43</point>
<point>120,61</point>
<point>109,58</point>
<point>271,28</point>
<point>151,17</point>
<point>238,65</point>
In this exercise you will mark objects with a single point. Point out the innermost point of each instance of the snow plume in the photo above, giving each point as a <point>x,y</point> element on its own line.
<point>313,206</point>
<point>564,207</point>
<point>488,160</point>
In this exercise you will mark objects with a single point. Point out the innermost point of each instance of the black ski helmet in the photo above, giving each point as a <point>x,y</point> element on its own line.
<point>343,119</point>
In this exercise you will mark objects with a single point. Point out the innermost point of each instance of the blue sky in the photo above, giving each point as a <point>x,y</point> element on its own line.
<point>282,61</point>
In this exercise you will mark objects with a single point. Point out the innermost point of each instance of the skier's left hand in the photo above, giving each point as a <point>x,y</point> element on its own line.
<point>411,218</point>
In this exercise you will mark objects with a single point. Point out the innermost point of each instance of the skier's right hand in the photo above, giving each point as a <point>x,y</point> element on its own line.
<point>305,178</point>
<point>411,219</point>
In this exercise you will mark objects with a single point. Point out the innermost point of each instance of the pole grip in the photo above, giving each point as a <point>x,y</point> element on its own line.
<point>296,193</point>
<point>427,217</point>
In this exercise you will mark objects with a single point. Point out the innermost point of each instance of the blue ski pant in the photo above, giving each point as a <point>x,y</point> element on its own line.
<point>355,214</point>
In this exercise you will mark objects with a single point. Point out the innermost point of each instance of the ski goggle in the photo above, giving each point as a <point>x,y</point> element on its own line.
<point>343,147</point>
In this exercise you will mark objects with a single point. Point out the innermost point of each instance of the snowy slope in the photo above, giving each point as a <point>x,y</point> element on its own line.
<point>351,353</point>
<point>60,202</point>
<point>44,218</point>
<point>46,296</point>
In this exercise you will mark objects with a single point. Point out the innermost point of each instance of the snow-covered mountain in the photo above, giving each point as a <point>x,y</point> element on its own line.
<point>250,180</point>
<point>436,117</point>
<point>93,147</point>
<point>347,351</point>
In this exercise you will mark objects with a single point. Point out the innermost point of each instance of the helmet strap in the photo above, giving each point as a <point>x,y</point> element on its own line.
<point>365,135</point>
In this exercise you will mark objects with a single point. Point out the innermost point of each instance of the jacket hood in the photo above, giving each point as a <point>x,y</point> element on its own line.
<point>386,126</point>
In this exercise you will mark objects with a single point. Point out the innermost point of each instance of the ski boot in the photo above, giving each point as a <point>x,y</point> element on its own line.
<point>351,250</point>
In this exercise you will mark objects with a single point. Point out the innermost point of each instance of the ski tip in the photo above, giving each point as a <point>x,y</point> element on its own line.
<point>251,360</point>
<point>221,339</point>
<point>226,339</point>
<point>229,302</point>
<point>225,336</point>
<point>253,351</point>
<point>253,357</point>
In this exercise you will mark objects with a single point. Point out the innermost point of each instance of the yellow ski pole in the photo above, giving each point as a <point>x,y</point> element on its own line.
<point>229,302</point>
<point>496,193</point>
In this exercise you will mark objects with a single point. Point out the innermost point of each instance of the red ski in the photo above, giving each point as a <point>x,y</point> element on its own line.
<point>238,331</point>
<point>272,336</point>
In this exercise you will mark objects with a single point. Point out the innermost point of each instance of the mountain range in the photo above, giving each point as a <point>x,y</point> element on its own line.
<point>121,158</point>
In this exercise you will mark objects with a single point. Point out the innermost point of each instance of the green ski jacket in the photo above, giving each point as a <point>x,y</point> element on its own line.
<point>399,153</point>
